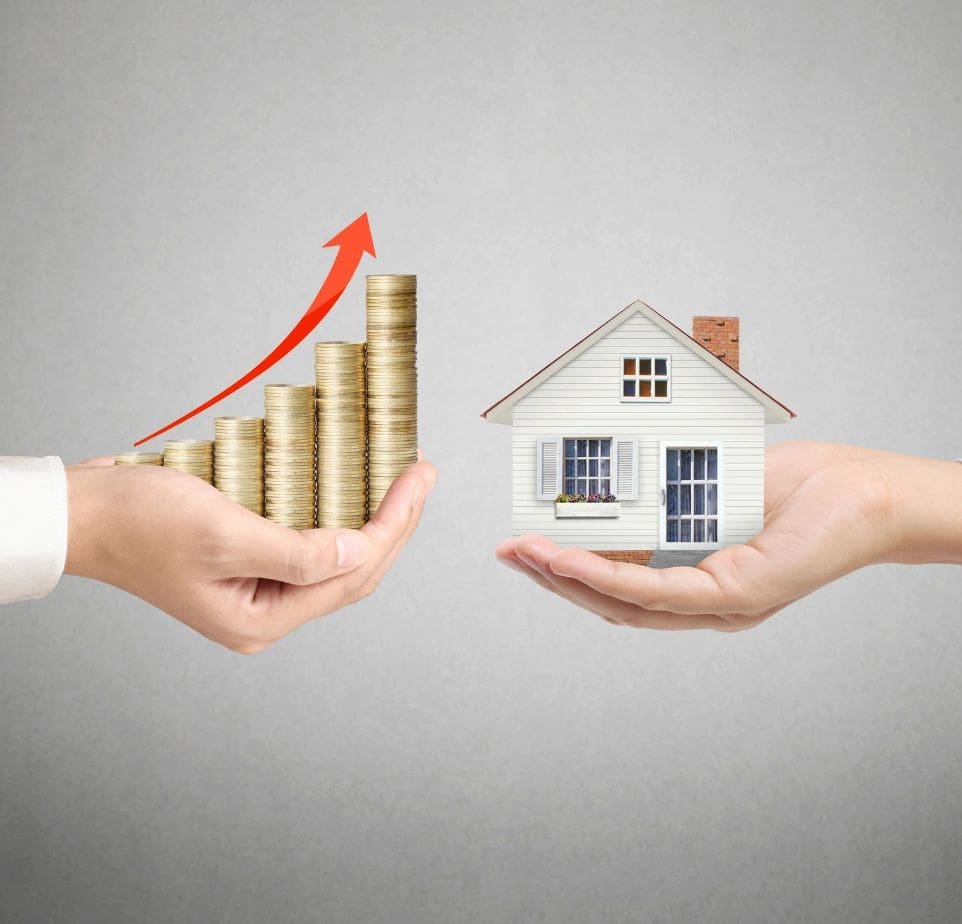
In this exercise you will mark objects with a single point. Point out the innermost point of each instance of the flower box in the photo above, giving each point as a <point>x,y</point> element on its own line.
<point>578,509</point>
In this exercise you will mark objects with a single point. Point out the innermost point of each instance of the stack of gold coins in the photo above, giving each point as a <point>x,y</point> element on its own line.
<point>341,435</point>
<point>194,456</point>
<point>289,426</point>
<point>239,460</point>
<point>139,458</point>
<point>391,381</point>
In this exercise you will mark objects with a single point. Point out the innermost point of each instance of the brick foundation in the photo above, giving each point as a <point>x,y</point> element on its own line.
<point>632,556</point>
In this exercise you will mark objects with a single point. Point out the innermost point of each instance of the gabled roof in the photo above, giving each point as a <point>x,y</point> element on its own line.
<point>775,411</point>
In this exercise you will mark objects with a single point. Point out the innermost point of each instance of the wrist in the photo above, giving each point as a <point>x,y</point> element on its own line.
<point>84,520</point>
<point>925,507</point>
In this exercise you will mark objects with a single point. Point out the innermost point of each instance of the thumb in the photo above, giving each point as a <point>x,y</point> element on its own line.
<point>268,550</point>
<point>96,462</point>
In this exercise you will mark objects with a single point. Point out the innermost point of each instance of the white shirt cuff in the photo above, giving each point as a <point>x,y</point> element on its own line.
<point>33,526</point>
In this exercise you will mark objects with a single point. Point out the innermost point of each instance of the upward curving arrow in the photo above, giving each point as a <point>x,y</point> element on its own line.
<point>352,242</point>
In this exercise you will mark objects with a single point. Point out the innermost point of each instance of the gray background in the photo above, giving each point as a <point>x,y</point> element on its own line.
<point>462,746</point>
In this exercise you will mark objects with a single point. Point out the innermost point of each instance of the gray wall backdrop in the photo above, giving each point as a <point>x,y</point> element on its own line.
<point>463,746</point>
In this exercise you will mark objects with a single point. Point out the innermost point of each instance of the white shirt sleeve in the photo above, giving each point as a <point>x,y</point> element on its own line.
<point>33,526</point>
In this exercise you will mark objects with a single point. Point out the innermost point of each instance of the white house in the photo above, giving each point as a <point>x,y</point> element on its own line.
<point>662,420</point>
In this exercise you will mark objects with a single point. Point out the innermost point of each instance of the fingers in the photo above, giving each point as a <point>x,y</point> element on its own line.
<point>396,519</point>
<point>537,553</point>
<point>712,587</point>
<point>264,549</point>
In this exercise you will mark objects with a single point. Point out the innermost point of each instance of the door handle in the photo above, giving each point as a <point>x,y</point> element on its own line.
<point>664,497</point>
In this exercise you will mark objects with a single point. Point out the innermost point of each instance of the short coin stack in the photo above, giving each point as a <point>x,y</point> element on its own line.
<point>391,381</point>
<point>341,435</point>
<point>194,456</point>
<point>239,460</point>
<point>289,426</point>
<point>138,458</point>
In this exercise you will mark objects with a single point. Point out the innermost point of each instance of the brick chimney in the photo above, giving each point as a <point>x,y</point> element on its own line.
<point>719,336</point>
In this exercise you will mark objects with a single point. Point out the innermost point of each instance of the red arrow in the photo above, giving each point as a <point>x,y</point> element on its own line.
<point>352,243</point>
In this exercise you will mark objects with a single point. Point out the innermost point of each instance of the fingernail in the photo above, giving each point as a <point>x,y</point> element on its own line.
<point>416,492</point>
<point>352,550</point>
<point>529,561</point>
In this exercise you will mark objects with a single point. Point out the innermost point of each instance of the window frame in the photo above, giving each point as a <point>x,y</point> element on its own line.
<point>689,443</point>
<point>612,462</point>
<point>637,378</point>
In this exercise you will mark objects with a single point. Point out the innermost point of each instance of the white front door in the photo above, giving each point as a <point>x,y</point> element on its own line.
<point>691,498</point>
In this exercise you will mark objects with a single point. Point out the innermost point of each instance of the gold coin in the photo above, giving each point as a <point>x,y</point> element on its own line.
<point>289,438</point>
<point>193,456</point>
<point>341,434</point>
<point>239,460</point>
<point>139,458</point>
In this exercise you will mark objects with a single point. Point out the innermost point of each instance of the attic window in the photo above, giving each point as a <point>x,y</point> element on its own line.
<point>645,378</point>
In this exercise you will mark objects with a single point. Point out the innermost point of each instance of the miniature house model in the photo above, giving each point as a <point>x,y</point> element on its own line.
<point>641,438</point>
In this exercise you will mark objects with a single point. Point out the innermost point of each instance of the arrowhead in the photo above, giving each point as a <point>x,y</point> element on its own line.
<point>356,236</point>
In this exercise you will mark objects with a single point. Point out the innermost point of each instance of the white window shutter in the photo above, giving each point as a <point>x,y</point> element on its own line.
<point>548,471</point>
<point>626,470</point>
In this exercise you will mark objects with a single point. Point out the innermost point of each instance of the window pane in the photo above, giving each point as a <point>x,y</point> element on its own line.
<point>644,367</point>
<point>628,389</point>
<point>661,367</point>
<point>672,499</point>
<point>699,465</point>
<point>593,448</point>
<point>569,468</point>
<point>711,505</point>
<point>684,530</point>
<point>644,389</point>
<point>582,468</point>
<point>698,531</point>
<point>605,486</point>
<point>629,368</point>
<point>605,468</point>
<point>606,447</point>
<point>685,464</point>
<point>672,535</point>
<point>570,486</point>
<point>582,448</point>
<point>685,496</point>
<point>711,530</point>
<point>699,498</point>
<point>661,389</point>
<point>672,464</point>
<point>592,485</point>
<point>570,449</point>
<point>712,463</point>
<point>593,468</point>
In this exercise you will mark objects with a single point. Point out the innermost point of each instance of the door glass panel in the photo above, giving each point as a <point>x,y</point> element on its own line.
<point>582,447</point>
<point>711,530</point>
<point>592,447</point>
<point>685,498</point>
<point>672,464</point>
<point>685,464</point>
<point>711,505</point>
<point>672,535</point>
<point>672,499</point>
<point>712,458</point>
<point>699,468</point>
<point>684,530</point>
<point>699,490</point>
<point>698,531</point>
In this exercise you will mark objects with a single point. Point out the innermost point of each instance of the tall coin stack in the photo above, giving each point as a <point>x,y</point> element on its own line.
<point>138,458</point>
<point>289,426</point>
<point>239,460</point>
<point>391,381</point>
<point>341,434</point>
<point>194,456</point>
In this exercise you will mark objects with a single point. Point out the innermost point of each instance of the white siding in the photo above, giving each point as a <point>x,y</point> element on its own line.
<point>584,399</point>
